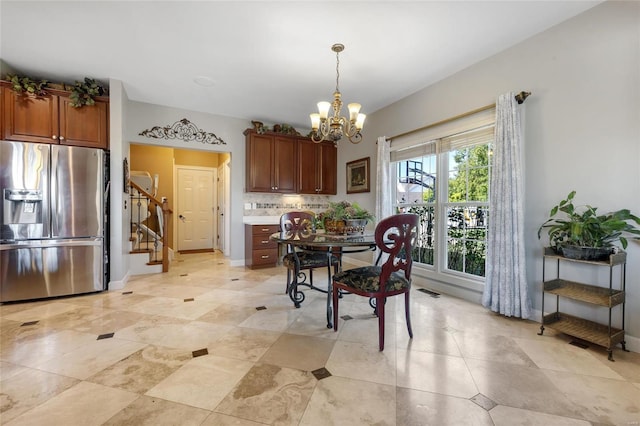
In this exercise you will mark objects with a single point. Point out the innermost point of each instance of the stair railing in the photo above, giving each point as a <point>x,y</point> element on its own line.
<point>149,229</point>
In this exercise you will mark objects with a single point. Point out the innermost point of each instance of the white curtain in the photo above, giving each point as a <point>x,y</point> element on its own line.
<point>383,182</point>
<point>506,286</point>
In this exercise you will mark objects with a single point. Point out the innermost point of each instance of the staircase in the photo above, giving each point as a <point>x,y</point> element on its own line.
<point>149,223</point>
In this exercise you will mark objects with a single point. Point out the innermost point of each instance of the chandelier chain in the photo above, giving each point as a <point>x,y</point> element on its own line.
<point>337,71</point>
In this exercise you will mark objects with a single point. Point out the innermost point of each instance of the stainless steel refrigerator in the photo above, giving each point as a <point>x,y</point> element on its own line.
<point>52,220</point>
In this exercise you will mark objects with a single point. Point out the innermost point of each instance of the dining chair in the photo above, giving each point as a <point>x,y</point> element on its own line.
<point>300,224</point>
<point>395,237</point>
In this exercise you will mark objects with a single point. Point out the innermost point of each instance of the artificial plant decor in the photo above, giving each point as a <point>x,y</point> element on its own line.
<point>343,217</point>
<point>83,92</point>
<point>23,84</point>
<point>341,210</point>
<point>574,230</point>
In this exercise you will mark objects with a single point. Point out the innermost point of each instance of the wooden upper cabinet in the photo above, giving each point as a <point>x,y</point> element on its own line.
<point>271,163</point>
<point>52,119</point>
<point>317,171</point>
<point>307,176</point>
<point>290,164</point>
<point>84,126</point>
<point>259,163</point>
<point>30,118</point>
<point>328,169</point>
<point>285,164</point>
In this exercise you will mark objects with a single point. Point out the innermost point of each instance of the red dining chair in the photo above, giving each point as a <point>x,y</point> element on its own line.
<point>300,225</point>
<point>395,237</point>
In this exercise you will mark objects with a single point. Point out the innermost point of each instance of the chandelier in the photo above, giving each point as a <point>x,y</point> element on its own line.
<point>325,128</point>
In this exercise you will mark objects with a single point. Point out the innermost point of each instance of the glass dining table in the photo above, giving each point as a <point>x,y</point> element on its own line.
<point>333,245</point>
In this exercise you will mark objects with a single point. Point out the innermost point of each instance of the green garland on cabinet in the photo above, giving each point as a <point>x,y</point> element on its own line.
<point>82,92</point>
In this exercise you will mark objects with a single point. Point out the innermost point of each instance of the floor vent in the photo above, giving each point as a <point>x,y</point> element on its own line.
<point>579,344</point>
<point>429,292</point>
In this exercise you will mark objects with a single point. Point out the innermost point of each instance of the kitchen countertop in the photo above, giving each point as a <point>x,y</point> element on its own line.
<point>261,220</point>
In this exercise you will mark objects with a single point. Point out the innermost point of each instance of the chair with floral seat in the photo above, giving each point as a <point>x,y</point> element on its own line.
<point>395,237</point>
<point>299,225</point>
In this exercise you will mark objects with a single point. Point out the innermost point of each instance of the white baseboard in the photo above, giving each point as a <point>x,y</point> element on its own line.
<point>118,285</point>
<point>451,290</point>
<point>632,343</point>
<point>238,262</point>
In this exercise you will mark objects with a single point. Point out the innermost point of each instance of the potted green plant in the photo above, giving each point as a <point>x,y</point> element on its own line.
<point>581,233</point>
<point>343,217</point>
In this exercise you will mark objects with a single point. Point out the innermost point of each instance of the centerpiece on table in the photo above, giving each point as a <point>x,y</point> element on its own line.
<point>343,217</point>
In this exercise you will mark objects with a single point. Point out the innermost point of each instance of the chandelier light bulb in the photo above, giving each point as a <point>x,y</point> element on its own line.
<point>354,109</point>
<point>323,109</point>
<point>315,121</point>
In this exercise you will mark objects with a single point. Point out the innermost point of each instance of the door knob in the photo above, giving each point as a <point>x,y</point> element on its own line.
<point>182,218</point>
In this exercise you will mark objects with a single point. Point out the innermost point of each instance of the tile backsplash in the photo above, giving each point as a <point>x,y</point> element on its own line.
<point>256,204</point>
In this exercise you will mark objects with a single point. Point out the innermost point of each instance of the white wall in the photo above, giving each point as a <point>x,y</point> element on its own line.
<point>141,116</point>
<point>119,149</point>
<point>582,124</point>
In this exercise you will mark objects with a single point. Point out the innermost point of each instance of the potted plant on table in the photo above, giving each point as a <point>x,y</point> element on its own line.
<point>343,217</point>
<point>581,233</point>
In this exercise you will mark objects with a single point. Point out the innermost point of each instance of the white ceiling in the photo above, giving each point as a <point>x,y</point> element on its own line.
<point>269,61</point>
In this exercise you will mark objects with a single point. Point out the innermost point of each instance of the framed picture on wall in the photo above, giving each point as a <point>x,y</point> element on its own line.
<point>358,176</point>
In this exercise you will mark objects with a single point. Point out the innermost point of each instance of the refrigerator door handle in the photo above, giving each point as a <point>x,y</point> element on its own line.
<point>53,185</point>
<point>50,243</point>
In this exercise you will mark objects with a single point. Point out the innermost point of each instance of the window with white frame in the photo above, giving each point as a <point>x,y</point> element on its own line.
<point>446,182</point>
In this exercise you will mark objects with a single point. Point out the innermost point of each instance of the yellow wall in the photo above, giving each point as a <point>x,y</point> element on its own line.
<point>196,158</point>
<point>160,160</point>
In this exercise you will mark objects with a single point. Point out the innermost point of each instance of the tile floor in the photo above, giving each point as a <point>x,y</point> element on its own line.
<point>189,347</point>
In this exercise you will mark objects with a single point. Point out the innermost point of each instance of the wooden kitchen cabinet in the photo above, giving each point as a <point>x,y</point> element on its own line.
<point>85,126</point>
<point>259,250</point>
<point>271,163</point>
<point>317,167</point>
<point>30,118</point>
<point>52,119</point>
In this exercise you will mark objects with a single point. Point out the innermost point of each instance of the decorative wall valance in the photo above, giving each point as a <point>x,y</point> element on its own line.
<point>184,130</point>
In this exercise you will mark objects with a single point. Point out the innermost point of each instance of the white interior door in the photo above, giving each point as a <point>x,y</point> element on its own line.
<point>195,195</point>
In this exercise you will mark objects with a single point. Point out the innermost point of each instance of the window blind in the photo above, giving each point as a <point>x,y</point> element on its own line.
<point>427,148</point>
<point>469,138</point>
<point>446,129</point>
